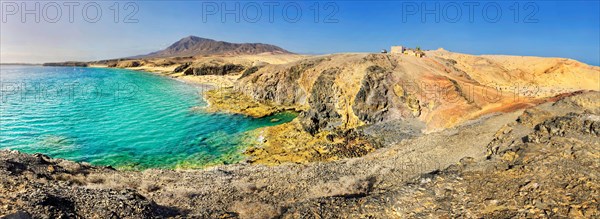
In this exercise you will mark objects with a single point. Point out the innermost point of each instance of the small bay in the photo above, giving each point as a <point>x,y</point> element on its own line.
<point>122,118</point>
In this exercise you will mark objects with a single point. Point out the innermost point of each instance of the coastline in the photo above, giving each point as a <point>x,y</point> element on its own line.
<point>444,170</point>
<point>351,103</point>
<point>218,93</point>
<point>271,145</point>
<point>218,100</point>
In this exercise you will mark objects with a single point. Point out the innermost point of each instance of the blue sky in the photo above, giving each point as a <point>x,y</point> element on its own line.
<point>543,28</point>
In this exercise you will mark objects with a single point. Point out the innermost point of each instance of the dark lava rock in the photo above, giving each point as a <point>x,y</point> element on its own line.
<point>374,98</point>
<point>37,186</point>
<point>323,98</point>
<point>250,71</point>
<point>182,67</point>
<point>67,64</point>
<point>214,69</point>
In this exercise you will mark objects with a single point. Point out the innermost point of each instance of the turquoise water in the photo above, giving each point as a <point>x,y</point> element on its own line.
<point>122,118</point>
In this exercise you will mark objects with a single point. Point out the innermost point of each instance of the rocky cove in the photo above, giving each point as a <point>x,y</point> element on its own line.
<point>374,133</point>
<point>352,104</point>
<point>538,162</point>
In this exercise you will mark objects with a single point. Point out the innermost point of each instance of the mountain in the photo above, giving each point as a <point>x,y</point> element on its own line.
<point>193,45</point>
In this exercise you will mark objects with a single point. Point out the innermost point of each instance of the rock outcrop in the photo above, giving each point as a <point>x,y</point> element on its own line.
<point>214,69</point>
<point>129,64</point>
<point>376,100</point>
<point>278,84</point>
<point>349,90</point>
<point>182,67</point>
<point>36,186</point>
<point>322,114</point>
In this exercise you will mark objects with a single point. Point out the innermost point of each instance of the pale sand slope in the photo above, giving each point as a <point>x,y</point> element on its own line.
<point>551,75</point>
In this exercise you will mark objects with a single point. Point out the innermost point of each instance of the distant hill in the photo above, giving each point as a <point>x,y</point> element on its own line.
<point>193,45</point>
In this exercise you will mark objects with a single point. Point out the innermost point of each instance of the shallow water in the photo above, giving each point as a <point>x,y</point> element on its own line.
<point>127,119</point>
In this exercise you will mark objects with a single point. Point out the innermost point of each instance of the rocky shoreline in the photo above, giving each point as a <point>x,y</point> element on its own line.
<point>352,104</point>
<point>539,162</point>
<point>375,132</point>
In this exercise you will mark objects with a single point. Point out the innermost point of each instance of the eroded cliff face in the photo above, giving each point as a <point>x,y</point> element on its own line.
<point>214,69</point>
<point>323,99</point>
<point>443,89</point>
<point>381,98</point>
<point>277,83</point>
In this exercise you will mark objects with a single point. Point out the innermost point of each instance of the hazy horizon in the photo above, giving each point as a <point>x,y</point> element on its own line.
<point>535,29</point>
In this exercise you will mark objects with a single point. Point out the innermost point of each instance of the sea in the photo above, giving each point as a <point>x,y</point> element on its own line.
<point>126,119</point>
